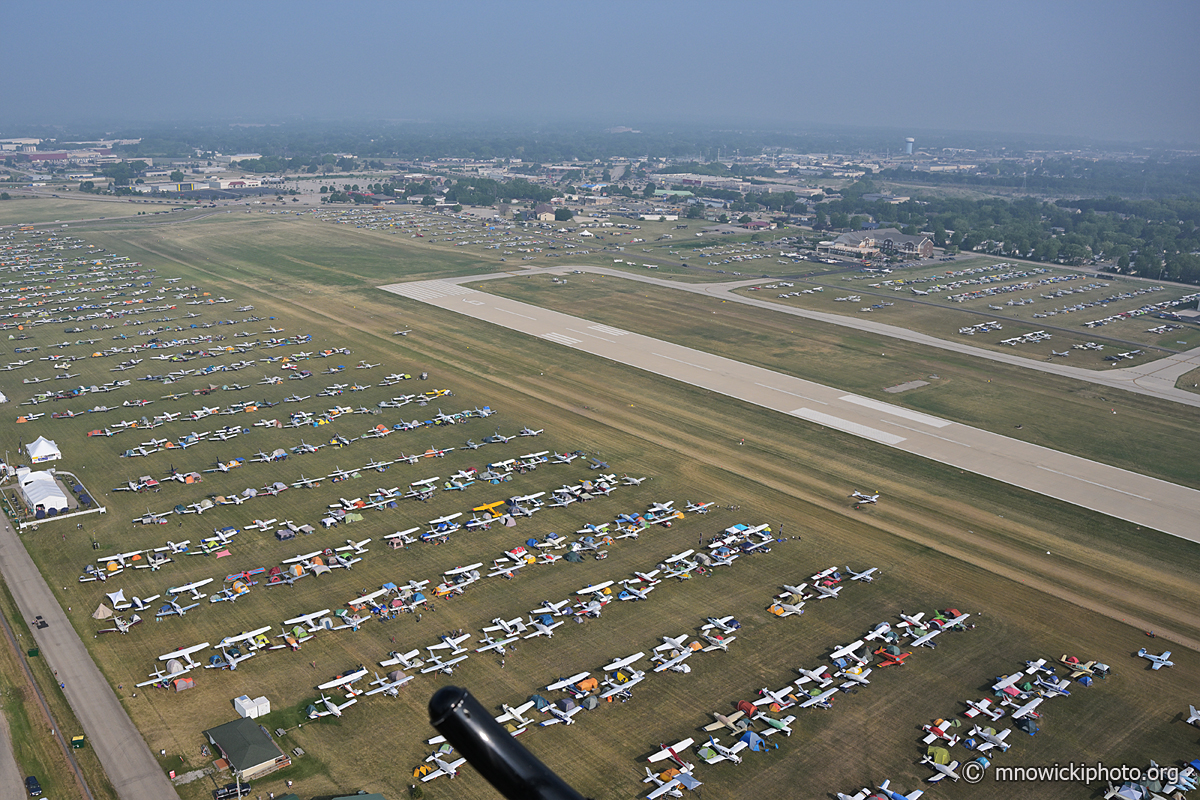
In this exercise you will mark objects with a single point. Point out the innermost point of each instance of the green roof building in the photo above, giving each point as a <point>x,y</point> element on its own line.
<point>250,751</point>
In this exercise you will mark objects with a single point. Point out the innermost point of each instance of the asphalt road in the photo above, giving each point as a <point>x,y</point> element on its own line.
<point>126,758</point>
<point>1119,493</point>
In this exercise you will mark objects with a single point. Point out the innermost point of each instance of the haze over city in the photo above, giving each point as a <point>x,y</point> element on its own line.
<point>1104,70</point>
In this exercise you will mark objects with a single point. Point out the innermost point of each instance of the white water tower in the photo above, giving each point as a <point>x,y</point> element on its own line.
<point>908,143</point>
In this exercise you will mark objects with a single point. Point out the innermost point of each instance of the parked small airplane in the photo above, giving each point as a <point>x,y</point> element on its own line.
<point>1156,662</point>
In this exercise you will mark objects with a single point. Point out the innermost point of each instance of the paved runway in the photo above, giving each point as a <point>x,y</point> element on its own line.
<point>1126,495</point>
<point>1153,378</point>
<point>126,758</point>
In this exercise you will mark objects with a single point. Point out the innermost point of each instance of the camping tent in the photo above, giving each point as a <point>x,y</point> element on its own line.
<point>102,612</point>
<point>42,450</point>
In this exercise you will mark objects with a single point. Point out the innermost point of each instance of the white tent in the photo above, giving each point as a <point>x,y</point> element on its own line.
<point>102,612</point>
<point>42,450</point>
<point>3,399</point>
<point>41,489</point>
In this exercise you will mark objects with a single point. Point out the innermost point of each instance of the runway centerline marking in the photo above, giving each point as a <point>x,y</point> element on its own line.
<point>514,313</point>
<point>923,433</point>
<point>594,336</point>
<point>1093,483</point>
<point>678,361</point>
<point>793,394</point>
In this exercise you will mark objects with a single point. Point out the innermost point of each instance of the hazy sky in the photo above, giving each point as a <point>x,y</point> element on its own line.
<point>1110,70</point>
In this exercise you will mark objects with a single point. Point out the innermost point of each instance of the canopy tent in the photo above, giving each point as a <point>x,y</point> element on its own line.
<point>42,450</point>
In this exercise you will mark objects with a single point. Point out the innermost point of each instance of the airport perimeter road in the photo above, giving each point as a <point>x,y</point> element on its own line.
<point>1154,378</point>
<point>121,749</point>
<point>1126,495</point>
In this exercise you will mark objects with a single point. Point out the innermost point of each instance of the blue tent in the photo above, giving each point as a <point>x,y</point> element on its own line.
<point>753,740</point>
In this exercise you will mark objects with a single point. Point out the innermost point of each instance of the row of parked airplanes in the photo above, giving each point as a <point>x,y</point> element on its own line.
<point>619,676</point>
<point>850,665</point>
<point>1019,695</point>
<point>741,722</point>
<point>299,419</point>
<point>825,585</point>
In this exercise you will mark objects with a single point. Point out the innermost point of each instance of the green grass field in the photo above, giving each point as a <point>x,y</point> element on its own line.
<point>940,537</point>
<point>27,210</point>
<point>937,317</point>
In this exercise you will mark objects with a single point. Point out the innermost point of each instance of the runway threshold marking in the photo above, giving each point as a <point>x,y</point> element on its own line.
<point>846,426</point>
<point>899,411</point>
<point>594,336</point>
<point>1093,483</point>
<point>609,330</point>
<point>560,338</point>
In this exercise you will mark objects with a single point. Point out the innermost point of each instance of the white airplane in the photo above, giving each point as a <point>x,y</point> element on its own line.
<point>387,686</point>
<point>820,676</point>
<point>672,753</point>
<point>821,699</point>
<point>407,660</point>
<point>566,683</point>
<point>309,621</point>
<point>516,714</point>
<point>359,548</point>
<point>558,715</point>
<point>1010,681</point>
<point>941,770</point>
<point>347,681</point>
<point>675,663</point>
<point>878,632</point>
<point>227,660</point>
<point>450,643</point>
<point>699,508</point>
<point>262,525</point>
<point>637,594</point>
<point>849,651</point>
<point>194,588</point>
<point>246,636</point>
<point>775,725</point>
<point>1193,716</point>
<point>723,624</point>
<point>852,678</point>
<point>865,498</point>
<point>530,432</point>
<point>330,708</point>
<point>403,536</point>
<point>509,627</point>
<point>673,787</point>
<point>782,698</point>
<point>940,729</point>
<point>717,642</point>
<point>552,609</point>
<point>867,575</point>
<point>495,644</point>
<point>1156,662</point>
<point>184,653</point>
<point>927,639</point>
<point>1026,710</point>
<point>913,621</point>
<point>1053,687</point>
<point>985,707</point>
<point>120,558</point>
<point>437,665</point>
<point>991,738</point>
<point>723,753</point>
<point>122,626</point>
